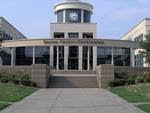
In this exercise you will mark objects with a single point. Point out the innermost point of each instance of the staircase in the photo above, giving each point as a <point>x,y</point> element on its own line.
<point>73,82</point>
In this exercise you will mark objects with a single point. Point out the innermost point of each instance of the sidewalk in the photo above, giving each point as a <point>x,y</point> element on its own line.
<point>81,100</point>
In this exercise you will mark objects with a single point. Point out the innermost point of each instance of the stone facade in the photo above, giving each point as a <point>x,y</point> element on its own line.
<point>105,74</point>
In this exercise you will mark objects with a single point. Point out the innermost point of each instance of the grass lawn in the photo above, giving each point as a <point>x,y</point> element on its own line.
<point>13,93</point>
<point>3,105</point>
<point>145,107</point>
<point>135,94</point>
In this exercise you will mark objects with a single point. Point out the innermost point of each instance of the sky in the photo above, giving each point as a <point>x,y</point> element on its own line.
<point>114,18</point>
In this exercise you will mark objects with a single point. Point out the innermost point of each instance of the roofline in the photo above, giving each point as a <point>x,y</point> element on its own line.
<point>12,26</point>
<point>135,26</point>
<point>65,39</point>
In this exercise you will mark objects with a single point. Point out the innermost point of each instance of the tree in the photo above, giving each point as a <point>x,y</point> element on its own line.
<point>145,46</point>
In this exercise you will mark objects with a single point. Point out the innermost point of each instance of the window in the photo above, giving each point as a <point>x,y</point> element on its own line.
<point>59,35</point>
<point>73,58</point>
<point>121,56</point>
<point>5,56</point>
<point>87,16</point>
<point>42,55</point>
<point>4,36</point>
<point>60,16</point>
<point>73,35</point>
<point>24,55</point>
<point>139,38</point>
<point>104,55</point>
<point>139,60</point>
<point>87,35</point>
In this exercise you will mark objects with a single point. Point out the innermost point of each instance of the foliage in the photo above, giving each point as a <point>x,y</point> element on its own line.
<point>16,77</point>
<point>3,105</point>
<point>145,46</point>
<point>145,107</point>
<point>118,82</point>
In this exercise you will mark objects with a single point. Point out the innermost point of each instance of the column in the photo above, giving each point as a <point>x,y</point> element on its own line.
<point>64,16</point>
<point>51,55</point>
<point>112,56</point>
<point>82,16</point>
<point>33,55</point>
<point>66,57</point>
<point>88,61</point>
<point>80,57</point>
<point>57,67</point>
<point>132,57</point>
<point>13,56</point>
<point>94,57</point>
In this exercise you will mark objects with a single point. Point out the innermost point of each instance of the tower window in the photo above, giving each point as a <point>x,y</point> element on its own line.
<point>87,35</point>
<point>73,35</point>
<point>59,35</point>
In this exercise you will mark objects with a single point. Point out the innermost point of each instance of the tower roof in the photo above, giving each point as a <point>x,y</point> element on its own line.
<point>73,4</point>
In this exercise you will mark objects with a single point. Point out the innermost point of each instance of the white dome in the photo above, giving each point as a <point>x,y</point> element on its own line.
<point>73,4</point>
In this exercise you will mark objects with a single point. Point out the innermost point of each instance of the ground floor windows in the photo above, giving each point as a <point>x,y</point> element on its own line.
<point>5,56</point>
<point>139,60</point>
<point>122,57</point>
<point>104,55</point>
<point>24,55</point>
<point>42,55</point>
<point>61,57</point>
<point>69,57</point>
<point>73,57</point>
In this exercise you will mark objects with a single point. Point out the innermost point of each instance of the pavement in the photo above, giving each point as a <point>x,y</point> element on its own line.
<point>80,100</point>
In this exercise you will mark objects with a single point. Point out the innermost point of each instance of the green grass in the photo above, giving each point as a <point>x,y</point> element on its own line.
<point>13,93</point>
<point>145,107</point>
<point>3,105</point>
<point>135,94</point>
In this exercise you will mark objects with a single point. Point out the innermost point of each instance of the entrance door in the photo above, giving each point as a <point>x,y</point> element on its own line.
<point>73,58</point>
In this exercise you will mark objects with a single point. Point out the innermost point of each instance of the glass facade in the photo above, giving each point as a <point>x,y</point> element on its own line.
<point>60,16</point>
<point>73,58</point>
<point>73,35</point>
<point>122,57</point>
<point>85,58</point>
<point>87,16</point>
<point>5,56</point>
<point>42,55</point>
<point>104,55</point>
<point>24,55</point>
<point>73,15</point>
<point>139,38</point>
<point>91,57</point>
<point>4,36</point>
<point>61,57</point>
<point>139,60</point>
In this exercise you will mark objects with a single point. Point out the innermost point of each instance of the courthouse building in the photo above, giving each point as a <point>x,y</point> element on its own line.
<point>73,42</point>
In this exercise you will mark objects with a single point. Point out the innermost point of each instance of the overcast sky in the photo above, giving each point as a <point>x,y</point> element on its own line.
<point>114,17</point>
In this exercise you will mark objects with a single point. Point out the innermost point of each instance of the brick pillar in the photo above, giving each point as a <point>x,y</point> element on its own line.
<point>105,74</point>
<point>40,74</point>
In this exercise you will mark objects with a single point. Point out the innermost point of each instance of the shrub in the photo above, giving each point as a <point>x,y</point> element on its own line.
<point>33,84</point>
<point>118,82</point>
<point>121,75</point>
<point>130,81</point>
<point>25,79</point>
<point>140,79</point>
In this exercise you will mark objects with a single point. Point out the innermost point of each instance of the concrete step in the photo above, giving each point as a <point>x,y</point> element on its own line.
<point>73,82</point>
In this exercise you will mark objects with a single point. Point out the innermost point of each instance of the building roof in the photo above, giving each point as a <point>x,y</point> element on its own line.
<point>1,18</point>
<point>135,26</point>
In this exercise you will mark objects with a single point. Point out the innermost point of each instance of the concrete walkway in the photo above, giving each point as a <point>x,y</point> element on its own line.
<point>72,101</point>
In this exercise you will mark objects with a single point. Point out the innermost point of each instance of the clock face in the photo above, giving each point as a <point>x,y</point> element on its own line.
<point>74,16</point>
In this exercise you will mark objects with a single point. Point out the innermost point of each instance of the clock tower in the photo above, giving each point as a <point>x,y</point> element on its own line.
<point>73,23</point>
<point>73,20</point>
